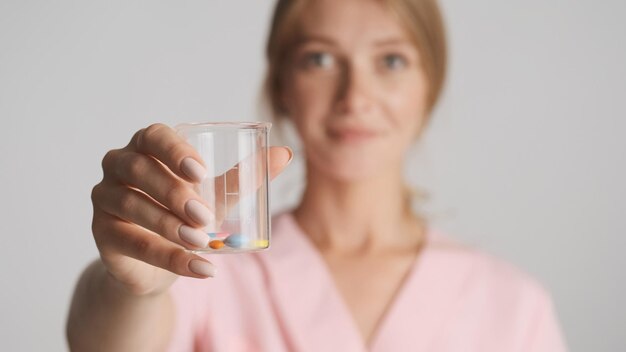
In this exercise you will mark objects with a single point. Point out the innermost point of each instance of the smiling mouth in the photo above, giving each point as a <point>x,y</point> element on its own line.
<point>352,135</point>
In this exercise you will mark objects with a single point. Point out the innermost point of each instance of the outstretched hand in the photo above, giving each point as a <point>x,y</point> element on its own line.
<point>146,212</point>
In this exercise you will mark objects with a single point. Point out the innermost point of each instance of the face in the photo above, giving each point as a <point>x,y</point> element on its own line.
<point>355,88</point>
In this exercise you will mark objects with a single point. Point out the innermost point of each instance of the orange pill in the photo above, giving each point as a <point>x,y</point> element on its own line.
<point>216,244</point>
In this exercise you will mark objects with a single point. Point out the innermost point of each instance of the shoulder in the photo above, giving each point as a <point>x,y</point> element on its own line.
<point>494,296</point>
<point>486,276</point>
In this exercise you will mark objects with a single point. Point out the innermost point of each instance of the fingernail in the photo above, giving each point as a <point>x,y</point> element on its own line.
<point>202,267</point>
<point>193,169</point>
<point>198,212</point>
<point>193,236</point>
<point>290,155</point>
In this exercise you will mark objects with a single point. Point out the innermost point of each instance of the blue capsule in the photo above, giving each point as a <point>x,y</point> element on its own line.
<point>217,234</point>
<point>236,240</point>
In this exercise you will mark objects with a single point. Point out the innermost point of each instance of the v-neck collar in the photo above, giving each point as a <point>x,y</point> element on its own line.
<point>314,313</point>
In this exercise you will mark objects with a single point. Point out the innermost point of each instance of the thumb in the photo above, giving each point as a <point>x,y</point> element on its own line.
<point>279,158</point>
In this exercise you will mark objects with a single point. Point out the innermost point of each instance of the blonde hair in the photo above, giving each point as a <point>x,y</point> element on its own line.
<point>421,18</point>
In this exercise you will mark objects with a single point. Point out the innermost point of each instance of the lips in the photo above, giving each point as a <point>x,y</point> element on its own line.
<point>352,135</point>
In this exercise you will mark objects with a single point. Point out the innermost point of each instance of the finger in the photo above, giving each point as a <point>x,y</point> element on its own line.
<point>115,236</point>
<point>278,159</point>
<point>148,175</point>
<point>135,207</point>
<point>226,190</point>
<point>162,142</point>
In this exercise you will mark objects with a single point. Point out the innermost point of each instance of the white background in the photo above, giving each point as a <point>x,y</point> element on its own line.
<point>525,157</point>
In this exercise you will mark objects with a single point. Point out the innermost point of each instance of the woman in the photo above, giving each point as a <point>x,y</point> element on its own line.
<point>351,267</point>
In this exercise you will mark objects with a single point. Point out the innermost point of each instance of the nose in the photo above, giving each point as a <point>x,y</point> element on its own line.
<point>355,91</point>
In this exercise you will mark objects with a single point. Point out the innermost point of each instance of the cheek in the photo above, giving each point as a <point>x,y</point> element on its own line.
<point>309,99</point>
<point>406,105</point>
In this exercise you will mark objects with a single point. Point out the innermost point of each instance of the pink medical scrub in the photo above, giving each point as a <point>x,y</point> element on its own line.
<point>284,299</point>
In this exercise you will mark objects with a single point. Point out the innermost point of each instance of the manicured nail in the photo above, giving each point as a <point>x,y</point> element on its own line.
<point>198,212</point>
<point>290,155</point>
<point>193,169</point>
<point>202,267</point>
<point>193,236</point>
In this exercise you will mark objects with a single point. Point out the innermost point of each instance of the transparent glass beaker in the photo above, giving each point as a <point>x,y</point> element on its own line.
<point>236,187</point>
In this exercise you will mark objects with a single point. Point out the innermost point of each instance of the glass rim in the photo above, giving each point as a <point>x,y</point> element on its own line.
<point>241,125</point>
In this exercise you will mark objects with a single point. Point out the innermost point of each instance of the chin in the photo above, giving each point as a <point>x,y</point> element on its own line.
<point>348,168</point>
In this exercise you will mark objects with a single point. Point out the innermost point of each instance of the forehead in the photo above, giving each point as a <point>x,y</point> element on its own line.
<point>350,22</point>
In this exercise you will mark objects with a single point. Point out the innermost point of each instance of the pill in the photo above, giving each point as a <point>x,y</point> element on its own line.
<point>217,234</point>
<point>236,240</point>
<point>216,244</point>
<point>261,243</point>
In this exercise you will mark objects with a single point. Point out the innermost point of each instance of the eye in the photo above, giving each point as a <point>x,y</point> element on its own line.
<point>394,62</point>
<point>321,60</point>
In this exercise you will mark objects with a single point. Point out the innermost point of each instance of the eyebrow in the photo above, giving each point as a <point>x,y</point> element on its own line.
<point>393,41</point>
<point>326,40</point>
<point>315,38</point>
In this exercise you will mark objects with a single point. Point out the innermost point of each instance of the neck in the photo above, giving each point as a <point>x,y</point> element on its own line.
<point>358,216</point>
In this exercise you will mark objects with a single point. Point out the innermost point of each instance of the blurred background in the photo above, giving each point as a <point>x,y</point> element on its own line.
<point>525,157</point>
